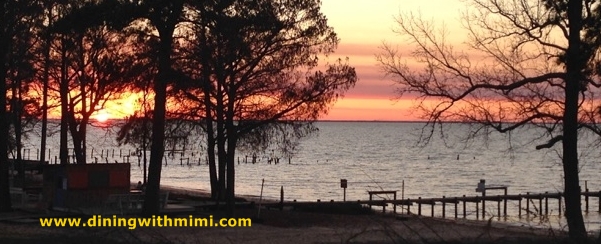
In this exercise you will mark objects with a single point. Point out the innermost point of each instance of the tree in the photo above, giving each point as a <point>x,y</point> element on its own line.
<point>525,63</point>
<point>15,17</point>
<point>259,64</point>
<point>97,63</point>
<point>153,16</point>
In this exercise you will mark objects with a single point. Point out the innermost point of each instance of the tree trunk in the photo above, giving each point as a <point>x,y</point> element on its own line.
<point>5,202</point>
<point>45,78</point>
<point>232,136</point>
<point>231,173</point>
<point>209,119</point>
<point>15,107</point>
<point>222,154</point>
<point>64,93</point>
<point>80,149</point>
<point>157,150</point>
<point>210,143</point>
<point>574,67</point>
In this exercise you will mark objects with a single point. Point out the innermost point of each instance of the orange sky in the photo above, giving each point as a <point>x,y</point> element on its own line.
<point>362,26</point>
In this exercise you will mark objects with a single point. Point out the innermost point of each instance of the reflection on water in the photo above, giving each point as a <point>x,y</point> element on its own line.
<point>381,156</point>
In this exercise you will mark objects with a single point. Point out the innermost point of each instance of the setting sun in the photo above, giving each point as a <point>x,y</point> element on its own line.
<point>102,116</point>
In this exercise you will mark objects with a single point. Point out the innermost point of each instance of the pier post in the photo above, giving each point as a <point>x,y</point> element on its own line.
<point>464,205</point>
<point>419,206</point>
<point>456,202</point>
<point>505,203</point>
<point>520,206</point>
<point>546,204</point>
<point>393,205</point>
<point>499,208</point>
<point>282,198</point>
<point>559,203</point>
<point>527,203</point>
<point>443,207</point>
<point>483,203</point>
<point>586,198</point>
<point>477,210</point>
<point>540,203</point>
<point>408,205</point>
<point>432,210</point>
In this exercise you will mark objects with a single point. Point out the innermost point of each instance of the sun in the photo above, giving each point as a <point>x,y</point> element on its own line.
<point>102,116</point>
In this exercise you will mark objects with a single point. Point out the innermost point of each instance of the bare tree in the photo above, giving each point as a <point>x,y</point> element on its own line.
<point>524,64</point>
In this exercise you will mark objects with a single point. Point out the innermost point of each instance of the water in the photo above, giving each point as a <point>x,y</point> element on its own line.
<point>381,156</point>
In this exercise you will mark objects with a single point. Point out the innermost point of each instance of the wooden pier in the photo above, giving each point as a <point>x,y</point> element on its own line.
<point>535,203</point>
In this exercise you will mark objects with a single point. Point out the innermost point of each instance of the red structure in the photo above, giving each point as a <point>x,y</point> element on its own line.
<point>74,186</point>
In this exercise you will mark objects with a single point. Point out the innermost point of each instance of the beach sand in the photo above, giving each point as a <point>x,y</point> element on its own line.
<point>275,226</point>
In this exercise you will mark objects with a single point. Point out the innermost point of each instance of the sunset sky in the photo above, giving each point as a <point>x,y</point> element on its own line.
<point>362,26</point>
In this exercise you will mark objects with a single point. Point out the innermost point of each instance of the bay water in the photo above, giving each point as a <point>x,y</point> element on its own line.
<point>378,156</point>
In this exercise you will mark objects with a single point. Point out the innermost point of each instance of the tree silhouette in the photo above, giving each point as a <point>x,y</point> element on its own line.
<point>259,72</point>
<point>16,18</point>
<point>525,63</point>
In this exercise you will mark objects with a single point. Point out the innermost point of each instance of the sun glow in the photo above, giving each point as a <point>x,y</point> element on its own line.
<point>102,116</point>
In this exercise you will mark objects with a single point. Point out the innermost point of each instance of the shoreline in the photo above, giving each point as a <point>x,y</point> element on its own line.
<point>290,226</point>
<point>491,222</point>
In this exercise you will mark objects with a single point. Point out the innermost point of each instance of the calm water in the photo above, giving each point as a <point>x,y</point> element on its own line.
<point>380,156</point>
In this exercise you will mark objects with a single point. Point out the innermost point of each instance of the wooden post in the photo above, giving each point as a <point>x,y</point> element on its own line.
<point>419,206</point>
<point>586,199</point>
<point>499,208</point>
<point>527,203</point>
<point>408,205</point>
<point>483,204</point>
<point>477,210</point>
<point>559,204</point>
<point>443,208</point>
<point>540,203</point>
<point>456,202</point>
<point>505,203</point>
<point>432,210</point>
<point>464,205</point>
<point>547,204</point>
<point>282,198</point>
<point>520,206</point>
<point>393,205</point>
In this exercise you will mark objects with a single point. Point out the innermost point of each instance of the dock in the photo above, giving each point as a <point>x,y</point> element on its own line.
<point>527,204</point>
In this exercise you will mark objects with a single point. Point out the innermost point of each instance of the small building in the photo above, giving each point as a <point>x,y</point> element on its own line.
<point>73,186</point>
